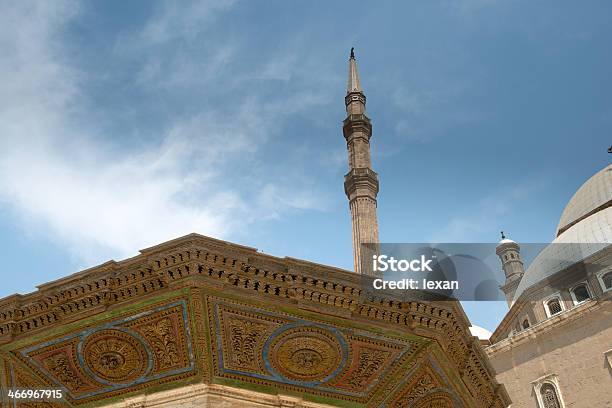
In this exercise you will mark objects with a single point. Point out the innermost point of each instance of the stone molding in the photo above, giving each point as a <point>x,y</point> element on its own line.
<point>361,182</point>
<point>545,326</point>
<point>357,125</point>
<point>608,358</point>
<point>357,96</point>
<point>186,396</point>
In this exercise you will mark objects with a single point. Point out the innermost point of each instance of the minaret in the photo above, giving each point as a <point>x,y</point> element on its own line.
<point>509,252</point>
<point>361,182</point>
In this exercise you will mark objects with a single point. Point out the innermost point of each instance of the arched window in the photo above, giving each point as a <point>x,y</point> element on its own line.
<point>606,280</point>
<point>525,324</point>
<point>550,399</point>
<point>553,306</point>
<point>580,293</point>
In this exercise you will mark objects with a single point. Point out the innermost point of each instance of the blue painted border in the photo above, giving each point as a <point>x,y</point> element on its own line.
<point>114,325</point>
<point>295,322</point>
<point>289,326</point>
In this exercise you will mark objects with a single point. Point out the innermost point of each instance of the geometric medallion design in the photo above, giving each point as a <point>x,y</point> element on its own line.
<point>125,353</point>
<point>272,348</point>
<point>305,353</point>
<point>114,356</point>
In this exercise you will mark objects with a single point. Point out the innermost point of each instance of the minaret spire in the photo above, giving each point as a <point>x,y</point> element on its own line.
<point>361,182</point>
<point>353,79</point>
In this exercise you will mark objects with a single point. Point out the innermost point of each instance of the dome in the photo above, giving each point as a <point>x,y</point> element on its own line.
<point>587,237</point>
<point>593,196</point>
<point>480,332</point>
<point>506,241</point>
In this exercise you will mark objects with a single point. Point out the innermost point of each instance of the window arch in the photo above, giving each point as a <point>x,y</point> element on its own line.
<point>525,324</point>
<point>605,279</point>
<point>553,306</point>
<point>547,392</point>
<point>549,396</point>
<point>580,293</point>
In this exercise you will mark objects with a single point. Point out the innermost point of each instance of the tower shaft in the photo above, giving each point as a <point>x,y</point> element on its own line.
<point>509,253</point>
<point>361,182</point>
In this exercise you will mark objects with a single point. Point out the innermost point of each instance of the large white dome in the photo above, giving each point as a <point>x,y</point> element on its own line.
<point>585,228</point>
<point>581,240</point>
<point>593,196</point>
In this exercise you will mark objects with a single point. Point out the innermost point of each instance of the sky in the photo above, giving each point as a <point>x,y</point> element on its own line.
<point>126,124</point>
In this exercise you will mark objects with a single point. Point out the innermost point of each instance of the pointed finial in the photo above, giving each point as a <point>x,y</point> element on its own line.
<point>503,236</point>
<point>353,79</point>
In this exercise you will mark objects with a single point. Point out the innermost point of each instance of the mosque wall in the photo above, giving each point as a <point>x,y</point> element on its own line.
<point>571,350</point>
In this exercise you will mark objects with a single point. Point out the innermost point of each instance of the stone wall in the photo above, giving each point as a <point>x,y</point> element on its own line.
<point>570,347</point>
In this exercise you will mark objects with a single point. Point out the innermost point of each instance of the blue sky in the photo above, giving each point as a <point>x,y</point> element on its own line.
<point>125,124</point>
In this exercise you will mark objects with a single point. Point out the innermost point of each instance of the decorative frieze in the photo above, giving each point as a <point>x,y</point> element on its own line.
<point>252,346</point>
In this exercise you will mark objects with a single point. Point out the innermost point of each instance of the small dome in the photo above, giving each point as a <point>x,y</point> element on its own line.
<point>506,241</point>
<point>480,332</point>
<point>504,245</point>
<point>594,195</point>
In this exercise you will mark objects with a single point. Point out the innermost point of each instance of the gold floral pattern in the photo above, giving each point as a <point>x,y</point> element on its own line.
<point>306,353</point>
<point>115,356</point>
<point>161,336</point>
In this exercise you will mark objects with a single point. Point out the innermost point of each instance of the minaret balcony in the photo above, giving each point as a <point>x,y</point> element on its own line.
<point>357,124</point>
<point>361,182</point>
<point>352,97</point>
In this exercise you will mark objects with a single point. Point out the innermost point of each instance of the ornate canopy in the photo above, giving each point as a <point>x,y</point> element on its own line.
<point>202,311</point>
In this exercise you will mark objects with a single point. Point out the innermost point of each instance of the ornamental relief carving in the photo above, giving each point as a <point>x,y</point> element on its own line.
<point>424,385</point>
<point>436,400</point>
<point>161,337</point>
<point>423,382</point>
<point>58,364</point>
<point>245,338</point>
<point>163,333</point>
<point>374,363</point>
<point>21,380</point>
<point>280,350</point>
<point>305,354</point>
<point>115,356</point>
<point>370,361</point>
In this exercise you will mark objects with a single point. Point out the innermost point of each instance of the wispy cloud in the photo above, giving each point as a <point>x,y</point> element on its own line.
<point>427,111</point>
<point>182,20</point>
<point>99,198</point>
<point>489,211</point>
